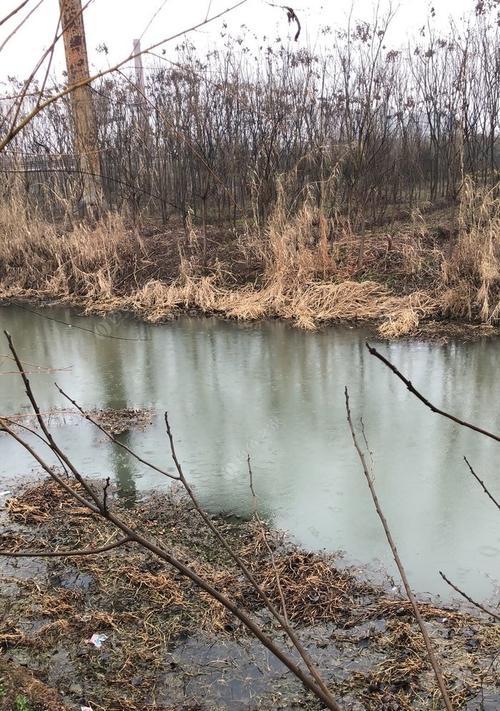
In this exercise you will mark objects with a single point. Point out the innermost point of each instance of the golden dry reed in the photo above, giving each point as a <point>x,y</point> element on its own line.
<point>311,268</point>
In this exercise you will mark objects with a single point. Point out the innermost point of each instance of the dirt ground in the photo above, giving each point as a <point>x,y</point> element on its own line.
<point>166,646</point>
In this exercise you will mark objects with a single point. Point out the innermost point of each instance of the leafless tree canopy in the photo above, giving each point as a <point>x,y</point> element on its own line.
<point>211,133</point>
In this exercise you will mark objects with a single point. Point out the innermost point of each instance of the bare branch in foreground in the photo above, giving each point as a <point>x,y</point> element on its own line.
<point>426,402</point>
<point>286,627</point>
<point>309,680</point>
<point>473,602</point>
<point>482,483</point>
<point>282,620</point>
<point>65,554</point>
<point>266,542</point>
<point>60,454</point>
<point>428,644</point>
<point>114,439</point>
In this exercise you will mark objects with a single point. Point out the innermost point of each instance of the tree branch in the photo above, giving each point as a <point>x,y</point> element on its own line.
<point>60,454</point>
<point>473,602</point>
<point>266,542</point>
<point>426,402</point>
<point>428,644</point>
<point>65,554</point>
<point>482,483</point>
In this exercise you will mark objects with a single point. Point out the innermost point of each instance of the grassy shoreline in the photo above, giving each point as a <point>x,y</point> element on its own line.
<point>438,331</point>
<point>306,268</point>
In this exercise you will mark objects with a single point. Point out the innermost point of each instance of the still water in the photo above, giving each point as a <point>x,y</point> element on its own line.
<point>277,393</point>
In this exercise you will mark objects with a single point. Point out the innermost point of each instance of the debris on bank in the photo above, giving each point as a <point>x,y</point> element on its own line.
<point>165,645</point>
<point>115,421</point>
<point>118,421</point>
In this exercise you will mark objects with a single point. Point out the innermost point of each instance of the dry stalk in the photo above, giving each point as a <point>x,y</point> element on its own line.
<point>428,644</point>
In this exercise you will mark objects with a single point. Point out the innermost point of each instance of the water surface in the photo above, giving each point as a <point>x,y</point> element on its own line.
<point>277,393</point>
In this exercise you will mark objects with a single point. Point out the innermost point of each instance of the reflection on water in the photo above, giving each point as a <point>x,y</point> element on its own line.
<point>277,393</point>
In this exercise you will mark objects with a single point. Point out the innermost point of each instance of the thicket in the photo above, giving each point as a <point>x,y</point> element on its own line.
<point>360,126</point>
<point>307,181</point>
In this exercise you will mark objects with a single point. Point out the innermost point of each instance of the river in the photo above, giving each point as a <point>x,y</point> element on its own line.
<point>277,393</point>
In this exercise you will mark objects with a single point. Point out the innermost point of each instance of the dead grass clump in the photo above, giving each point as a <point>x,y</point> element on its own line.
<point>38,503</point>
<point>122,420</point>
<point>406,313</point>
<point>314,590</point>
<point>472,271</point>
<point>317,303</point>
<point>155,300</point>
<point>87,261</point>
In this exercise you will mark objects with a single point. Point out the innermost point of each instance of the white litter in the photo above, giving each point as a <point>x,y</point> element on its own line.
<point>97,640</point>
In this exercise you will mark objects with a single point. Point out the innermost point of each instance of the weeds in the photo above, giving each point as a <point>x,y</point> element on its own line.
<point>21,703</point>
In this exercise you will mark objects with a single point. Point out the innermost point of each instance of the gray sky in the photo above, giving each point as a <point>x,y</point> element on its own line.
<point>117,22</point>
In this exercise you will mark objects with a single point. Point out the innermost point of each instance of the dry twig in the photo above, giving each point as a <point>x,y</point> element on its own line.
<point>428,644</point>
<point>467,597</point>
<point>426,402</point>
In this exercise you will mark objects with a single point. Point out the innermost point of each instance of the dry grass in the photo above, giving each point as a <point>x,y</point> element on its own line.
<point>145,608</point>
<point>307,267</point>
<point>472,271</point>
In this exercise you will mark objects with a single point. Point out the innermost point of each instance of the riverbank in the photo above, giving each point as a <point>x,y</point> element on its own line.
<point>166,646</point>
<point>413,275</point>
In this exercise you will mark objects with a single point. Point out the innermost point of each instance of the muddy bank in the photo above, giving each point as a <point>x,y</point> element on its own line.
<point>442,330</point>
<point>163,645</point>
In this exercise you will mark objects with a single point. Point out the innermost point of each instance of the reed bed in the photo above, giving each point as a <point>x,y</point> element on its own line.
<point>304,267</point>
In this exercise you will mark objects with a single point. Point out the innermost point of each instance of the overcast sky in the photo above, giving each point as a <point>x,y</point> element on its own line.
<point>117,22</point>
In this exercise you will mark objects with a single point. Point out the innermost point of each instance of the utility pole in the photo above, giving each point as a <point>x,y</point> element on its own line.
<point>139,69</point>
<point>84,118</point>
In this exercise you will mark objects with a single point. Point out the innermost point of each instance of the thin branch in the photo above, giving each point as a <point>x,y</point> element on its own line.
<point>51,58</point>
<point>248,574</point>
<point>113,438</point>
<point>14,12</point>
<point>266,542</point>
<point>55,448</point>
<point>50,471</point>
<point>80,328</point>
<point>16,423</point>
<point>482,483</point>
<point>66,554</point>
<point>467,597</point>
<point>20,24</point>
<point>426,402</point>
<point>428,644</point>
<point>64,92</point>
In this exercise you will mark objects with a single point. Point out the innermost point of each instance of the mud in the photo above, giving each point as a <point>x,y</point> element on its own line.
<point>168,647</point>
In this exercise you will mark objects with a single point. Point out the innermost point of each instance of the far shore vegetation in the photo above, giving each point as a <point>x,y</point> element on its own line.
<point>355,182</point>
